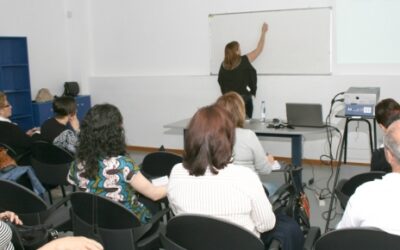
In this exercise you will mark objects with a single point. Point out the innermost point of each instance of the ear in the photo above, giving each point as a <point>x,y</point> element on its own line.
<point>389,156</point>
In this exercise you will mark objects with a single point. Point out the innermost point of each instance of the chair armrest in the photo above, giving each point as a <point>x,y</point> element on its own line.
<point>142,230</point>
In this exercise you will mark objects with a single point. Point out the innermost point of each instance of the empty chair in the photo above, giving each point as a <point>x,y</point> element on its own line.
<point>194,232</point>
<point>346,187</point>
<point>112,224</point>
<point>159,163</point>
<point>358,239</point>
<point>31,208</point>
<point>51,165</point>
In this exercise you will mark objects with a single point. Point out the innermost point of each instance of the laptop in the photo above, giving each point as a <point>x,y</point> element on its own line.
<point>304,115</point>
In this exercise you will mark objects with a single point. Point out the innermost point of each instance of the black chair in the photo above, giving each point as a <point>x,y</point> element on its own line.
<point>358,239</point>
<point>112,224</point>
<point>197,232</point>
<point>346,187</point>
<point>51,165</point>
<point>31,208</point>
<point>160,163</point>
<point>154,165</point>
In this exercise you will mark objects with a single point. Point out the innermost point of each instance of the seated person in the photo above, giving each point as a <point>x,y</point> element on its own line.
<point>247,150</point>
<point>65,243</point>
<point>376,203</point>
<point>385,112</point>
<point>207,182</point>
<point>102,164</point>
<point>62,129</point>
<point>10,133</point>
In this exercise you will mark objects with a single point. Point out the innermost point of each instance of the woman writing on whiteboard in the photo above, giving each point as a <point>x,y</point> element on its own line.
<point>237,74</point>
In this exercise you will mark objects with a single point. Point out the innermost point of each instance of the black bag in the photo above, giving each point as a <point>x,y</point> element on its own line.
<point>31,237</point>
<point>71,89</point>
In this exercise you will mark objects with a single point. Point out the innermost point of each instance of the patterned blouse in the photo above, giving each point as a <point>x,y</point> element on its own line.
<point>112,181</point>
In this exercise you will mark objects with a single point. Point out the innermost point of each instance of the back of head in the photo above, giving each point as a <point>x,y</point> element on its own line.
<point>234,104</point>
<point>392,143</point>
<point>101,136</point>
<point>63,106</point>
<point>232,56</point>
<point>385,109</point>
<point>209,141</point>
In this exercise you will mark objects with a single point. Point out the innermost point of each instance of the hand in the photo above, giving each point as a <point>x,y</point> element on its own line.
<point>72,243</point>
<point>31,131</point>
<point>264,28</point>
<point>74,122</point>
<point>270,158</point>
<point>10,216</point>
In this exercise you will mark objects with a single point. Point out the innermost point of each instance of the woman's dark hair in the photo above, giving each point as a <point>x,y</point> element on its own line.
<point>232,57</point>
<point>63,106</point>
<point>101,136</point>
<point>209,141</point>
<point>385,109</point>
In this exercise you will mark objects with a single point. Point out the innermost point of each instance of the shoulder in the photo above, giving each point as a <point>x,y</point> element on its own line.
<point>245,133</point>
<point>242,172</point>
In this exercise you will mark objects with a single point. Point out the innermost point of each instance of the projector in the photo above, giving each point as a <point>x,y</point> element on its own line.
<point>361,101</point>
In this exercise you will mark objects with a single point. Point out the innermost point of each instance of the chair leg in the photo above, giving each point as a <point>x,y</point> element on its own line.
<point>63,190</point>
<point>50,197</point>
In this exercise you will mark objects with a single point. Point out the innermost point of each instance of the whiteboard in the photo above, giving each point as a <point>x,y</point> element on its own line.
<point>298,40</point>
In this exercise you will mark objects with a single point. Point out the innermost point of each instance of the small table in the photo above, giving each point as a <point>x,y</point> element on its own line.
<point>260,128</point>
<point>363,118</point>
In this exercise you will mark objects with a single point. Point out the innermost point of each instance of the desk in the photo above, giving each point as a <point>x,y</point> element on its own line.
<point>261,130</point>
<point>363,118</point>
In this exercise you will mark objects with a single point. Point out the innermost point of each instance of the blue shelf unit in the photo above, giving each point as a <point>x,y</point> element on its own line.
<point>14,79</point>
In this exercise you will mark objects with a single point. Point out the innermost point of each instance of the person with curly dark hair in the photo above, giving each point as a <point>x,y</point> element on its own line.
<point>103,166</point>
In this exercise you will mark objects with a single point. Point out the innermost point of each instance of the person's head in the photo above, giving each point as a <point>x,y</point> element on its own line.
<point>101,136</point>
<point>64,106</point>
<point>232,55</point>
<point>209,141</point>
<point>234,104</point>
<point>384,110</point>
<point>5,106</point>
<point>391,141</point>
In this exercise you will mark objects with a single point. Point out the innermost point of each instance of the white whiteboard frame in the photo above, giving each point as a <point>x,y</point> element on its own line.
<point>252,35</point>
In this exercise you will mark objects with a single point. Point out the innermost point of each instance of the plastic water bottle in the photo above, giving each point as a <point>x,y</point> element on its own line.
<point>263,111</point>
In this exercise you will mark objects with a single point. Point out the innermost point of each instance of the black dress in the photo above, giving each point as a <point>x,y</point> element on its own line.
<point>242,80</point>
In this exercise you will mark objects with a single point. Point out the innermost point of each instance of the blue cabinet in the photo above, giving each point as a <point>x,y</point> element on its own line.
<point>44,110</point>
<point>14,79</point>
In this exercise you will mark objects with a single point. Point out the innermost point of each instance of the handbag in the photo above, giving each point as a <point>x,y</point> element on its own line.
<point>6,160</point>
<point>31,237</point>
<point>71,89</point>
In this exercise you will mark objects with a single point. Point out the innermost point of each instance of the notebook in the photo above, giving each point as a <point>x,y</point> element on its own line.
<point>304,115</point>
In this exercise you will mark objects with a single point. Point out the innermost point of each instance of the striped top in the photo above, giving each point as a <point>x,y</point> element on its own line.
<point>5,237</point>
<point>235,194</point>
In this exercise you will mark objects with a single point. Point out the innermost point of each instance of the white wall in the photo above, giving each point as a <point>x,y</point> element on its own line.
<point>151,59</point>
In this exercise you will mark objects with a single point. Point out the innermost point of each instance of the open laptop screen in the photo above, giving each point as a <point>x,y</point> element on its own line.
<point>304,114</point>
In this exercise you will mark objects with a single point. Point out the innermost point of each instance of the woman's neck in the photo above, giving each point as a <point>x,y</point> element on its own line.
<point>62,120</point>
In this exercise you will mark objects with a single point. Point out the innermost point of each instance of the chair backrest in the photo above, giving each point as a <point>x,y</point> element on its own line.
<point>349,187</point>
<point>357,238</point>
<point>104,220</point>
<point>51,163</point>
<point>159,163</point>
<point>22,201</point>
<point>49,153</point>
<point>203,232</point>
